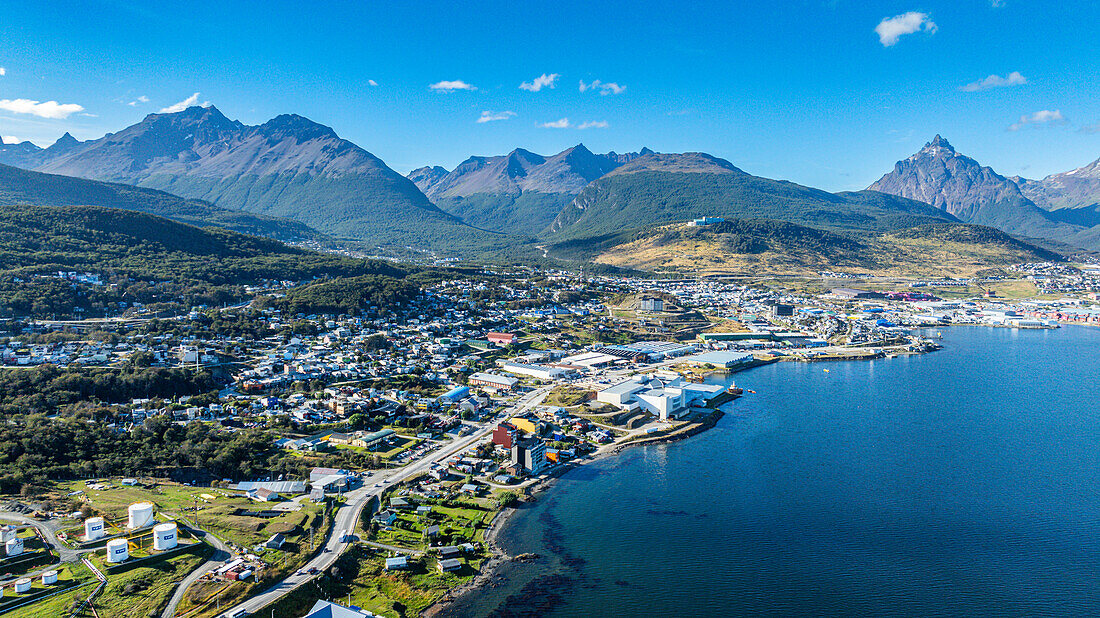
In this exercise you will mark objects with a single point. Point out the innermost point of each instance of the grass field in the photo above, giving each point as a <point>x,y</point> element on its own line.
<point>886,254</point>
<point>361,574</point>
<point>220,516</point>
<point>567,396</point>
<point>458,523</point>
<point>134,592</point>
<point>67,575</point>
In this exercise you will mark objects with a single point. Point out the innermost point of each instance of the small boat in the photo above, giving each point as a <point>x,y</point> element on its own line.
<point>735,390</point>
<point>825,370</point>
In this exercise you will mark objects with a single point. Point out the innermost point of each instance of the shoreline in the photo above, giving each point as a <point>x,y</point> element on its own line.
<point>497,554</point>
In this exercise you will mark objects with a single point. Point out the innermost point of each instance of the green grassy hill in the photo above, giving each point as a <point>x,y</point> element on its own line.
<point>19,186</point>
<point>524,215</point>
<point>634,195</point>
<point>776,247</point>
<point>382,211</point>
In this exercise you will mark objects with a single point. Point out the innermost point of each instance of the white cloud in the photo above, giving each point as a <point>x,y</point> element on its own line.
<point>605,88</point>
<point>995,81</point>
<point>593,124</point>
<point>182,105</point>
<point>1090,129</point>
<point>557,124</point>
<point>3,71</point>
<point>371,82</point>
<point>996,3</point>
<point>451,86</point>
<point>488,116</point>
<point>138,101</point>
<point>890,29</point>
<point>1044,117</point>
<point>47,109</point>
<point>540,82</point>
<point>9,139</point>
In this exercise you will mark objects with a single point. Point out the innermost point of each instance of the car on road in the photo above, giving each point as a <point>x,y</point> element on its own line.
<point>312,570</point>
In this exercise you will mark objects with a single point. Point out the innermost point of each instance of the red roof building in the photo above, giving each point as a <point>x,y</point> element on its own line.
<point>502,338</point>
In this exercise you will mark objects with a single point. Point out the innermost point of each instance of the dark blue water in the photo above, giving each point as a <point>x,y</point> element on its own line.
<point>961,482</point>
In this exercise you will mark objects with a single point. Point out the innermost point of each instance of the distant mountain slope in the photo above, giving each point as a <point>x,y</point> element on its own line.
<point>19,186</point>
<point>24,154</point>
<point>763,246</point>
<point>1073,196</point>
<point>518,193</point>
<point>96,238</point>
<point>289,166</point>
<point>940,176</point>
<point>665,188</point>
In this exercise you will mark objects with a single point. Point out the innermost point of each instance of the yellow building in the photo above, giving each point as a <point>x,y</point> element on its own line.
<point>524,425</point>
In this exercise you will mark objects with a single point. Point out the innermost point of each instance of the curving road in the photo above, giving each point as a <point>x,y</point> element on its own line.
<point>347,516</point>
<point>48,531</point>
<point>221,554</point>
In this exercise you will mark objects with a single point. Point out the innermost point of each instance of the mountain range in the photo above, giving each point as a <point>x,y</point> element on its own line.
<point>288,167</point>
<point>1072,196</point>
<point>292,177</point>
<point>518,193</point>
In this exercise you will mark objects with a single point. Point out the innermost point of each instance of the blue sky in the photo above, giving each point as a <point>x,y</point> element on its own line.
<point>827,93</point>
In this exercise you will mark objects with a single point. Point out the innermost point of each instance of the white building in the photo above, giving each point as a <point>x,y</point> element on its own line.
<point>492,380</point>
<point>661,394</point>
<point>539,372</point>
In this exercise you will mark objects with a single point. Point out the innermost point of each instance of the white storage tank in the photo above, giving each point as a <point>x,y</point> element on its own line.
<point>23,585</point>
<point>165,536</point>
<point>14,547</point>
<point>49,577</point>
<point>118,550</point>
<point>93,528</point>
<point>141,515</point>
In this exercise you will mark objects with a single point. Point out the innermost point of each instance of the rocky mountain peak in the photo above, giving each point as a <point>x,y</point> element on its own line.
<point>299,127</point>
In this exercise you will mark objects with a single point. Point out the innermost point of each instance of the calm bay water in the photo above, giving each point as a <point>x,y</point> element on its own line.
<point>962,482</point>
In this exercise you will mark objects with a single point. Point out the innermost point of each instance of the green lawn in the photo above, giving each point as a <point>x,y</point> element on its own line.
<point>361,574</point>
<point>58,605</point>
<point>458,523</point>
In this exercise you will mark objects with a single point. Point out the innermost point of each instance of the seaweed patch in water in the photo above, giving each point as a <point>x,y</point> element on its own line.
<point>538,597</point>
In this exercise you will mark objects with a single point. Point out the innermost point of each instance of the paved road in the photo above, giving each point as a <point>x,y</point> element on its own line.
<point>48,530</point>
<point>221,554</point>
<point>347,517</point>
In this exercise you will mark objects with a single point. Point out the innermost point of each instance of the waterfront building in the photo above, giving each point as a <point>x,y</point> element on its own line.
<point>529,454</point>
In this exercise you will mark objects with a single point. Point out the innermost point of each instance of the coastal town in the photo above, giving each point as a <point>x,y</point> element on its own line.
<point>396,440</point>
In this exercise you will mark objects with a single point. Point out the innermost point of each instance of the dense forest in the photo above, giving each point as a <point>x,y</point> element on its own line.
<point>144,259</point>
<point>38,450</point>
<point>46,389</point>
<point>346,295</point>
